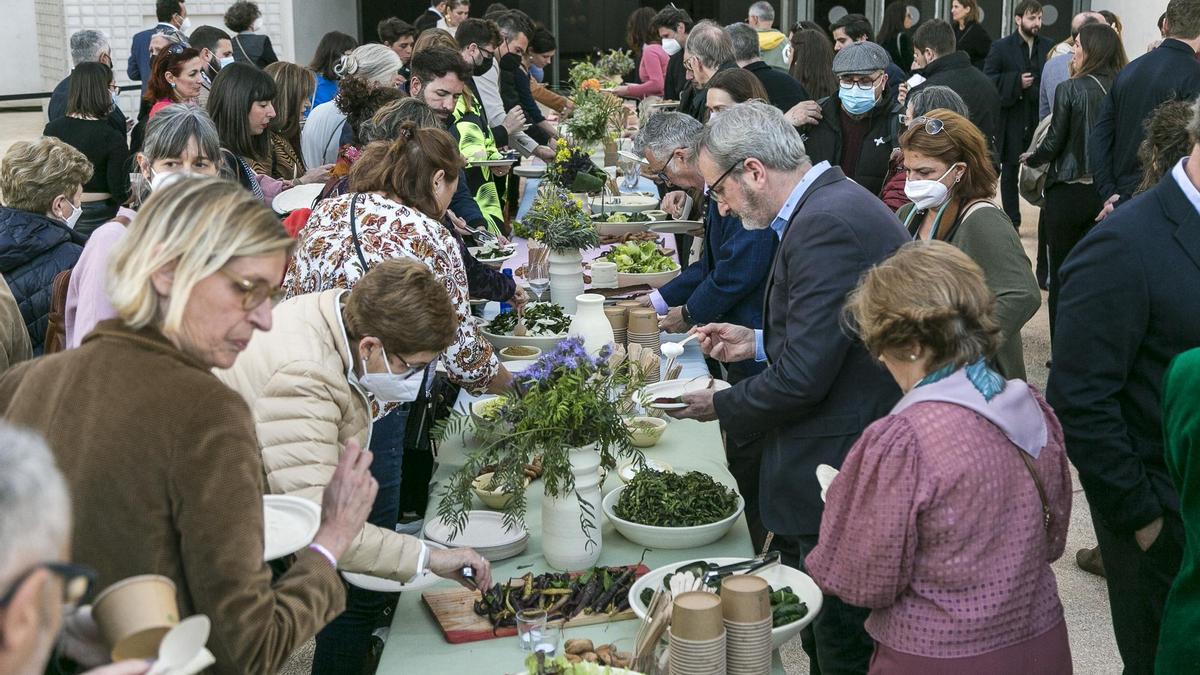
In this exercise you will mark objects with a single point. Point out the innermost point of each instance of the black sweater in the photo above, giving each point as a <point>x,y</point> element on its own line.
<point>104,147</point>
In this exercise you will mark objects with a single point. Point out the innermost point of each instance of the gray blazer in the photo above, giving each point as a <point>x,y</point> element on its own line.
<point>821,388</point>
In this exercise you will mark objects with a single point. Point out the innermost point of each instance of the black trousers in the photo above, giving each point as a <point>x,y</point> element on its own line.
<point>836,642</point>
<point>1010,195</point>
<point>1069,214</point>
<point>1138,582</point>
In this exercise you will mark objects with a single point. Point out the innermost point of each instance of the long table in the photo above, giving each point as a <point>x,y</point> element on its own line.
<point>416,644</point>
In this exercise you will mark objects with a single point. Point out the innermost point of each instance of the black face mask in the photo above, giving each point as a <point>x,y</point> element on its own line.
<point>510,61</point>
<point>484,66</point>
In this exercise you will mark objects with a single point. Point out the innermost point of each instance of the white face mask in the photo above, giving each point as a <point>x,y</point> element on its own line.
<point>928,194</point>
<point>391,387</point>
<point>257,26</point>
<point>224,61</point>
<point>671,46</point>
<point>160,180</point>
<point>76,211</point>
<point>185,26</point>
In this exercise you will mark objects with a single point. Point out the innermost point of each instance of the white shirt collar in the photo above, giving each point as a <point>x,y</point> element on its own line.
<point>1185,184</point>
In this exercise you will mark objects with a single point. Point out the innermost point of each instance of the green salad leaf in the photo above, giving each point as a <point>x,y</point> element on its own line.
<point>640,258</point>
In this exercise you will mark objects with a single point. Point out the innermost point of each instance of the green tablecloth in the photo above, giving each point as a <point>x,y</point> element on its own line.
<point>416,644</point>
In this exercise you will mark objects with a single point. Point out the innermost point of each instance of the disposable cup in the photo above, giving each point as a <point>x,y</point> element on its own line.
<point>745,598</point>
<point>134,614</point>
<point>643,321</point>
<point>696,616</point>
<point>618,317</point>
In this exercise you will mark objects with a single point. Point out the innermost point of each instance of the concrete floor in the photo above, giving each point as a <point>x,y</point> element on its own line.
<point>1083,595</point>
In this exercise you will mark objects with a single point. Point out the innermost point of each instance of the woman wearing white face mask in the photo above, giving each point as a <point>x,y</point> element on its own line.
<point>318,379</point>
<point>951,182</point>
<point>42,183</point>
<point>249,45</point>
<point>180,140</point>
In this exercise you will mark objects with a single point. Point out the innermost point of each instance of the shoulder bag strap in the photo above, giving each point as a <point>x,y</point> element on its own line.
<point>244,53</point>
<point>1098,83</point>
<point>354,233</point>
<point>1047,516</point>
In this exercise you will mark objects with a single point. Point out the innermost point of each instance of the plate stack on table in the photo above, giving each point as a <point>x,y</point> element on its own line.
<point>643,329</point>
<point>485,532</point>
<point>746,607</point>
<point>697,635</point>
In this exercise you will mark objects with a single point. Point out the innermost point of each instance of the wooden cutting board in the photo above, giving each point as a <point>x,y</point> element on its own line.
<point>454,610</point>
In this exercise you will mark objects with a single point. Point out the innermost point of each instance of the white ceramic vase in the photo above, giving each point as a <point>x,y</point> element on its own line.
<point>565,543</point>
<point>591,324</point>
<point>566,277</point>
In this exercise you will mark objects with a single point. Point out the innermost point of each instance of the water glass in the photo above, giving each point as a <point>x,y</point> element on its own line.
<point>531,626</point>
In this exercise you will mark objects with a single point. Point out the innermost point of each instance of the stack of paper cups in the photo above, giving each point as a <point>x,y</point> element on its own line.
<point>619,319</point>
<point>697,635</point>
<point>643,329</point>
<point>746,609</point>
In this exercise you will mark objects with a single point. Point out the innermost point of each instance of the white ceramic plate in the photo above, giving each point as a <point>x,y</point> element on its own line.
<point>629,469</point>
<point>475,250</point>
<point>299,197</point>
<point>671,388</point>
<point>606,229</point>
<point>492,162</point>
<point>674,226</point>
<point>485,529</point>
<point>529,171</point>
<point>382,585</point>
<point>623,203</point>
<point>290,524</point>
<point>777,575</point>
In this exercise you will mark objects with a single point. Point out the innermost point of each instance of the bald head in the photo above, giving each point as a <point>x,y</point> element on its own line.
<point>1084,18</point>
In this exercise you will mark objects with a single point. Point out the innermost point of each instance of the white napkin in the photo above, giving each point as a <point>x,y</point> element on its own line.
<point>825,476</point>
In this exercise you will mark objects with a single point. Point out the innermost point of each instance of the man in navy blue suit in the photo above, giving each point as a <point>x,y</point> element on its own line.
<point>820,388</point>
<point>172,21</point>
<point>1128,305</point>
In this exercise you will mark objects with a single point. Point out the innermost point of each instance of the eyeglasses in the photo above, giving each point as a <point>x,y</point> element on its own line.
<point>487,54</point>
<point>864,82</point>
<point>659,173</point>
<point>255,293</point>
<point>933,126</point>
<point>713,189</point>
<point>77,581</point>
<point>114,88</point>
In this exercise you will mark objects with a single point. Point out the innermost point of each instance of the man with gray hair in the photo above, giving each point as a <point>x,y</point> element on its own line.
<point>86,46</point>
<point>783,90</point>
<point>725,285</point>
<point>821,387</point>
<point>761,17</point>
<point>708,50</point>
<point>37,587</point>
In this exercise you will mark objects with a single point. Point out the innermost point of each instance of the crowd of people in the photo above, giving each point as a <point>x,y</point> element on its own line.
<point>861,284</point>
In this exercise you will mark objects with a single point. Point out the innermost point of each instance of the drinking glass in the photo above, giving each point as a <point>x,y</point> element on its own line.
<point>537,271</point>
<point>531,625</point>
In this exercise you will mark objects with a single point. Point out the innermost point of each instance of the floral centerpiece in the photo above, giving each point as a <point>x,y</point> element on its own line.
<point>615,62</point>
<point>599,117</point>
<point>574,170</point>
<point>608,68</point>
<point>566,409</point>
<point>558,220</point>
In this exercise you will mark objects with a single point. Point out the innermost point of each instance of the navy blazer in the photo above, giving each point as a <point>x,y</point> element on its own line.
<point>1127,305</point>
<point>1162,74</point>
<point>1006,62</point>
<point>821,387</point>
<point>728,281</point>
<point>138,67</point>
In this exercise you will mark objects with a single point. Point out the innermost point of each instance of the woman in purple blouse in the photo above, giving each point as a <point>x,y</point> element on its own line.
<point>947,513</point>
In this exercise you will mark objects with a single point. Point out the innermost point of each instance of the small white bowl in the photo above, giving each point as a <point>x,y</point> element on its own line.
<point>478,408</point>
<point>508,357</point>
<point>494,499</point>
<point>646,436</point>
<point>669,537</point>
<point>628,470</point>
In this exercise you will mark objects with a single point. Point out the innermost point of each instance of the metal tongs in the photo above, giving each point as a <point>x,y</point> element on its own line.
<point>748,566</point>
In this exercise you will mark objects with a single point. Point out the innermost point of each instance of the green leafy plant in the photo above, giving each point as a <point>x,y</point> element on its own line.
<point>566,400</point>
<point>558,220</point>
<point>615,62</point>
<point>583,71</point>
<point>598,117</point>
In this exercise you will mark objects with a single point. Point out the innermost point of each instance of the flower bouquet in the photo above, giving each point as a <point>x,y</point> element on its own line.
<point>558,220</point>
<point>598,118</point>
<point>574,170</point>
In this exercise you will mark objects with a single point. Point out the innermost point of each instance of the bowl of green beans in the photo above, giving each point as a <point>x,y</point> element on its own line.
<point>665,510</point>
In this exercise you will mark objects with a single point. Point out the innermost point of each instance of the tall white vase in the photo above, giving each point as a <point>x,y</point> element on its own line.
<point>565,543</point>
<point>591,324</point>
<point>566,277</point>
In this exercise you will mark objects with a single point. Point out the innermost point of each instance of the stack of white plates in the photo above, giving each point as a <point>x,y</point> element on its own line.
<point>485,532</point>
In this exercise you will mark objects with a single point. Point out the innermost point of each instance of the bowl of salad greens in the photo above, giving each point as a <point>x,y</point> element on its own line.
<point>642,262</point>
<point>665,510</point>
<point>617,223</point>
<point>546,325</point>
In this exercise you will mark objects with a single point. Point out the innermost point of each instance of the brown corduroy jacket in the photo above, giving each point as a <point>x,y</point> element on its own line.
<point>166,478</point>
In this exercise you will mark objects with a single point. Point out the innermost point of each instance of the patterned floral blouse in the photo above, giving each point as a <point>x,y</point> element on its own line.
<point>326,258</point>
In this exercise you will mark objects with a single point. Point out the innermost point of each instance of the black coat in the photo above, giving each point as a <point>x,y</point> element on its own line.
<point>1127,306</point>
<point>33,250</point>
<point>1006,62</point>
<point>783,91</point>
<point>976,89</point>
<point>1077,104</point>
<point>427,20</point>
<point>821,388</point>
<point>823,141</point>
<point>693,99</point>
<point>974,40</point>
<point>675,79</point>
<point>1162,74</point>
<point>254,49</point>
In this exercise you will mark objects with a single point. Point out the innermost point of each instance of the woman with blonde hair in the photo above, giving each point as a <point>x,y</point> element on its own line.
<point>948,511</point>
<point>320,377</point>
<point>42,185</point>
<point>161,458</point>
<point>951,181</point>
<point>294,88</point>
<point>325,130</point>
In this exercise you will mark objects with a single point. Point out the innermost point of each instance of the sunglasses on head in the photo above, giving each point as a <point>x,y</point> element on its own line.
<point>933,126</point>
<point>175,48</point>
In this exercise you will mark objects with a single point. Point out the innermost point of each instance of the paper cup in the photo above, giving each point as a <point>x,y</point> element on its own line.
<point>618,317</point>
<point>135,613</point>
<point>745,598</point>
<point>643,320</point>
<point>630,304</point>
<point>696,616</point>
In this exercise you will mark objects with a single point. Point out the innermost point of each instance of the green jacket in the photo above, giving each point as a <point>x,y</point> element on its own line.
<point>1178,649</point>
<point>988,237</point>
<point>475,141</point>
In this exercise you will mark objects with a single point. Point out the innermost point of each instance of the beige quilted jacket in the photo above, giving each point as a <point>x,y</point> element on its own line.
<point>295,378</point>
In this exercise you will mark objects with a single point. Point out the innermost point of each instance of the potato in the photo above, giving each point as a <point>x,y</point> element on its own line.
<point>579,646</point>
<point>571,658</point>
<point>590,657</point>
<point>622,660</point>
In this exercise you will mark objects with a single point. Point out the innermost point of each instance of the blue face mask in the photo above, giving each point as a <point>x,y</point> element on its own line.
<point>856,101</point>
<point>116,99</point>
<point>536,72</point>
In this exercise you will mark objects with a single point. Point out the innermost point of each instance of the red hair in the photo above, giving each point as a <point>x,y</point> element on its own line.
<point>170,60</point>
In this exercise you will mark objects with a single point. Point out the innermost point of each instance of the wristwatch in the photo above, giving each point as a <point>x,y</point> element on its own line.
<point>687,317</point>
